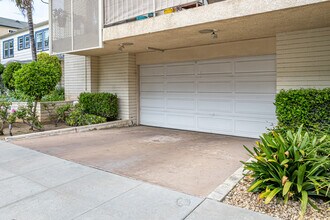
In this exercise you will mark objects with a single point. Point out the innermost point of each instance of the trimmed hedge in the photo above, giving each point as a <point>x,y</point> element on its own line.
<point>100,104</point>
<point>310,107</point>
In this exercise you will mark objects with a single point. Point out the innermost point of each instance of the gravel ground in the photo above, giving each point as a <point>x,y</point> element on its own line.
<point>241,198</point>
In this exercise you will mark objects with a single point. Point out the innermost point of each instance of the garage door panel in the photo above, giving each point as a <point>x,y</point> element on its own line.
<point>153,71</point>
<point>244,127</point>
<point>158,103</point>
<point>254,107</point>
<point>181,121</point>
<point>152,87</point>
<point>152,79</point>
<point>255,87</point>
<point>254,78</point>
<point>215,106</point>
<point>215,68</point>
<point>256,97</point>
<point>251,66</point>
<point>153,118</point>
<point>179,70</point>
<point>180,104</point>
<point>215,125</point>
<point>232,96</point>
<point>215,87</point>
<point>188,87</point>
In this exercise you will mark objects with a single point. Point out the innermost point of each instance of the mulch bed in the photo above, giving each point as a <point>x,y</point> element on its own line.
<point>21,128</point>
<point>240,197</point>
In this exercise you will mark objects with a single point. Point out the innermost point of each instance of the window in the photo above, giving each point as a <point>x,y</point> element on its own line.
<point>42,40</point>
<point>8,48</point>
<point>39,40</point>
<point>26,41</point>
<point>46,40</point>
<point>20,43</point>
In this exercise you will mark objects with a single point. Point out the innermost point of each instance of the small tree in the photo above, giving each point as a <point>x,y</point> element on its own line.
<point>2,68</point>
<point>8,75</point>
<point>38,78</point>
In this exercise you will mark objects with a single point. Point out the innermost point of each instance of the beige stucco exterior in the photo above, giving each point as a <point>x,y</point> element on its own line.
<point>303,59</point>
<point>264,46</point>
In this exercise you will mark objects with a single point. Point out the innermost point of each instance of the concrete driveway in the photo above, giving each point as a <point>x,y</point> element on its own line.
<point>189,162</point>
<point>41,187</point>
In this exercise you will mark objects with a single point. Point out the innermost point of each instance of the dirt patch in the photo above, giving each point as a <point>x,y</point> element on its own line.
<point>21,128</point>
<point>240,197</point>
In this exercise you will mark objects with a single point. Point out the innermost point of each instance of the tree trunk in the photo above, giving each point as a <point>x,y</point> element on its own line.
<point>34,113</point>
<point>31,32</point>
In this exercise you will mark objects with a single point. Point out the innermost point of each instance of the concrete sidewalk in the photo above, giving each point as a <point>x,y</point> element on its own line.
<point>37,186</point>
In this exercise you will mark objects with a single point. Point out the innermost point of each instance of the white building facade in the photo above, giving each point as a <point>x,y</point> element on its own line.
<point>16,46</point>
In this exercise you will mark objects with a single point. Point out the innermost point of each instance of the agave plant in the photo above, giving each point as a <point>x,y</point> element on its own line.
<point>295,165</point>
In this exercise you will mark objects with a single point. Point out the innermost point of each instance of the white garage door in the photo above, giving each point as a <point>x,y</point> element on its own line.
<point>232,96</point>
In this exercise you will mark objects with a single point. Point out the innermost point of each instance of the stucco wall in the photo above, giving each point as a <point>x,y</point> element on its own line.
<point>303,59</point>
<point>264,46</point>
<point>77,75</point>
<point>117,74</point>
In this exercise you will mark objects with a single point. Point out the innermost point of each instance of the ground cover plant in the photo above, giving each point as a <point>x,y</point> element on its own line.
<point>291,166</point>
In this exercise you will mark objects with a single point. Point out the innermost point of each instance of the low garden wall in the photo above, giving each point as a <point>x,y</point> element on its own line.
<point>45,110</point>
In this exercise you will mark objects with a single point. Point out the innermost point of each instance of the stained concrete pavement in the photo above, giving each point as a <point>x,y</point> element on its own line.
<point>190,162</point>
<point>38,186</point>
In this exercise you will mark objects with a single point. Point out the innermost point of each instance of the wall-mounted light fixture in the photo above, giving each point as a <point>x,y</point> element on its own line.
<point>155,49</point>
<point>213,32</point>
<point>123,45</point>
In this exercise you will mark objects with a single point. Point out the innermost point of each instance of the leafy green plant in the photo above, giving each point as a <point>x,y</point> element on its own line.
<point>27,115</point>
<point>62,112</point>
<point>78,118</point>
<point>101,104</point>
<point>38,78</point>
<point>295,165</point>
<point>56,95</point>
<point>8,77</point>
<point>2,68</point>
<point>4,114</point>
<point>310,107</point>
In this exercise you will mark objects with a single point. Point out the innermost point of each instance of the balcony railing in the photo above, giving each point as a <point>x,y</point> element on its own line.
<point>120,11</point>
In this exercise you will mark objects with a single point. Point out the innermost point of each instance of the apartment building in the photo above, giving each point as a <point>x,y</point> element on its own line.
<point>210,66</point>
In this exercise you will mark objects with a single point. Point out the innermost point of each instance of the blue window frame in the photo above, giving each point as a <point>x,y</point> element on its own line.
<point>26,41</point>
<point>20,43</point>
<point>23,42</point>
<point>42,40</point>
<point>8,49</point>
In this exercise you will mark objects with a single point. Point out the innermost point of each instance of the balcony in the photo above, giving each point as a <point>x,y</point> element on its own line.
<point>98,27</point>
<point>123,11</point>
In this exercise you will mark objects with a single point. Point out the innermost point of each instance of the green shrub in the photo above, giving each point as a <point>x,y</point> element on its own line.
<point>101,104</point>
<point>56,95</point>
<point>8,77</point>
<point>62,112</point>
<point>4,114</point>
<point>37,79</point>
<point>78,118</point>
<point>2,68</point>
<point>295,165</point>
<point>28,116</point>
<point>310,107</point>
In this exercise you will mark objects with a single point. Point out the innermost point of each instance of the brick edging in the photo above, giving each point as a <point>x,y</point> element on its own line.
<point>113,124</point>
